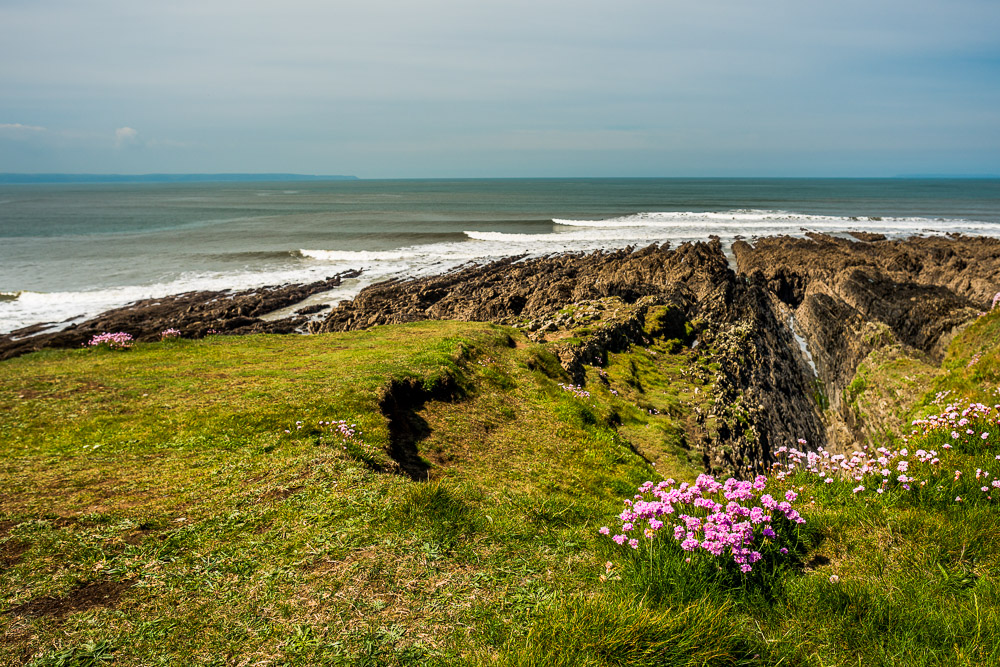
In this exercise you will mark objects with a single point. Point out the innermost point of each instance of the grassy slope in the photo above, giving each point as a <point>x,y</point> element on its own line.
<point>241,544</point>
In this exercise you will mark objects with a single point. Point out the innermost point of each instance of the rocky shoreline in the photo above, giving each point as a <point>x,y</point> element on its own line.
<point>787,327</point>
<point>194,314</point>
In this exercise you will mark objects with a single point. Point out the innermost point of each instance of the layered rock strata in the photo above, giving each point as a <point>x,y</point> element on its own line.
<point>848,299</point>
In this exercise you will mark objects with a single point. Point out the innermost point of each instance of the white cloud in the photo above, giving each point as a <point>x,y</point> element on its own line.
<point>19,131</point>
<point>125,136</point>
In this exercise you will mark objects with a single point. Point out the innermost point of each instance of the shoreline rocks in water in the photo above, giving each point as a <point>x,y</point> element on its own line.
<point>788,327</point>
<point>195,314</point>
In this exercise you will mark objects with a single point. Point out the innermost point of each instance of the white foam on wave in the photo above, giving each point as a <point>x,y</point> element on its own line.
<point>751,221</point>
<point>355,255</point>
<point>22,309</point>
<point>66,308</point>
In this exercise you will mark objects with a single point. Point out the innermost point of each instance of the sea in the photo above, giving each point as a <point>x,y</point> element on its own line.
<point>71,251</point>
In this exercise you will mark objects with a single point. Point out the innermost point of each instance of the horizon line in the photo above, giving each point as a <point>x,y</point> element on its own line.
<point>25,178</point>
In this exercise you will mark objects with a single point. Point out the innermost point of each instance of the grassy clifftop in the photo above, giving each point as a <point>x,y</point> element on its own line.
<point>200,502</point>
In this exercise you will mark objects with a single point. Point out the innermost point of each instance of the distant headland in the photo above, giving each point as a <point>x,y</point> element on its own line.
<point>164,178</point>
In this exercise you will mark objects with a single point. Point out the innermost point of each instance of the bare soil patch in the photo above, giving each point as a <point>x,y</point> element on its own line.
<point>11,552</point>
<point>87,595</point>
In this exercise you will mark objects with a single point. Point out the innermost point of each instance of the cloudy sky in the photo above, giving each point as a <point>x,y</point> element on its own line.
<point>468,88</point>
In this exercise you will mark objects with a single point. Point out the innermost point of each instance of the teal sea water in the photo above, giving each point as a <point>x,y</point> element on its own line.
<point>71,251</point>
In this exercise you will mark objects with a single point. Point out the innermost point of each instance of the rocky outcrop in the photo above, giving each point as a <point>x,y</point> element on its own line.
<point>194,314</point>
<point>516,289</point>
<point>849,298</point>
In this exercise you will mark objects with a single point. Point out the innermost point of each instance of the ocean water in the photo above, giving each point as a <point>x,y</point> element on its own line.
<point>68,252</point>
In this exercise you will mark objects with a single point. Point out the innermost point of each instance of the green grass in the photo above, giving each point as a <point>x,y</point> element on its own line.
<point>163,478</point>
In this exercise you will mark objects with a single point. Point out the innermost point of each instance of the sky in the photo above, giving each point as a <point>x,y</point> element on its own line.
<point>515,88</point>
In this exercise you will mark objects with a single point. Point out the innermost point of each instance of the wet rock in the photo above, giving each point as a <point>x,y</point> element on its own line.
<point>195,314</point>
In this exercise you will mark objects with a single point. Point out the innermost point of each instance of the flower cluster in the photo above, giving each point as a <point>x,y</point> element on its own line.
<point>576,390</point>
<point>113,341</point>
<point>732,518</point>
<point>876,467</point>
<point>996,301</point>
<point>167,334</point>
<point>347,434</point>
<point>960,420</point>
<point>877,470</point>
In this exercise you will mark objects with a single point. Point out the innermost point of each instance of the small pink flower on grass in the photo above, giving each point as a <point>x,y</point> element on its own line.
<point>113,341</point>
<point>834,579</point>
<point>605,531</point>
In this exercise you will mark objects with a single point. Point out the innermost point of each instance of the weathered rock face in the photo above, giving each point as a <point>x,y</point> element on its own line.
<point>764,391</point>
<point>193,313</point>
<point>509,289</point>
<point>849,298</point>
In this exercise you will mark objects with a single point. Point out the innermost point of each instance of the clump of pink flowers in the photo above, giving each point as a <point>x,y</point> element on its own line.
<point>958,419</point>
<point>996,300</point>
<point>113,341</point>
<point>576,390</point>
<point>732,519</point>
<point>168,334</point>
<point>878,469</point>
<point>347,435</point>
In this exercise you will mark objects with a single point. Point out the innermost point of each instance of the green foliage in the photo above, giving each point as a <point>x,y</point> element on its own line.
<point>614,631</point>
<point>167,472</point>
<point>667,322</point>
<point>91,654</point>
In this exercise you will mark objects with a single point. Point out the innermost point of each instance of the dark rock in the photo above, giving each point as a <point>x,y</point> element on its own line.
<point>850,298</point>
<point>867,236</point>
<point>312,310</point>
<point>195,314</point>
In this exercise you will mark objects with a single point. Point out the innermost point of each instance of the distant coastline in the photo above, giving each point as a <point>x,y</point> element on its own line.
<point>24,179</point>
